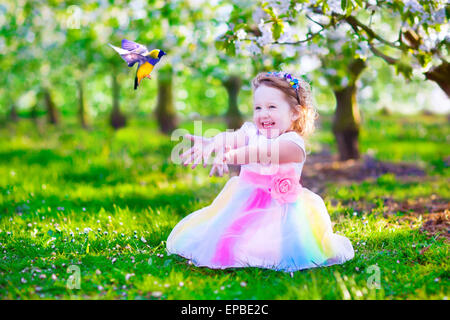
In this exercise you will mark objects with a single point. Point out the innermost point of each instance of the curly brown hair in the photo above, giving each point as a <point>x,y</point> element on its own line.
<point>300,100</point>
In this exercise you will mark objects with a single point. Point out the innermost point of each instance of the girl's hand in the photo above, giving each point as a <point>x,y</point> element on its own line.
<point>202,149</point>
<point>220,162</point>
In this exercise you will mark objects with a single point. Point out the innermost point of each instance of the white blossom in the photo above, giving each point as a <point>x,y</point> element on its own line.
<point>253,49</point>
<point>288,34</point>
<point>413,6</point>
<point>279,6</point>
<point>338,44</point>
<point>138,9</point>
<point>339,33</point>
<point>266,31</point>
<point>363,49</point>
<point>335,6</point>
<point>374,8</point>
<point>314,49</point>
<point>425,18</point>
<point>426,45</point>
<point>238,45</point>
<point>259,14</point>
<point>438,16</point>
<point>241,34</point>
<point>289,51</point>
<point>223,12</point>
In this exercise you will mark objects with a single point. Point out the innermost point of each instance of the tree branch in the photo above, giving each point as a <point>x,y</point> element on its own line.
<point>318,23</point>
<point>332,23</point>
<point>310,37</point>
<point>380,54</point>
<point>355,24</point>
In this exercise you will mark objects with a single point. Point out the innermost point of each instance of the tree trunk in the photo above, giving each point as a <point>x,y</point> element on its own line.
<point>347,120</point>
<point>165,109</point>
<point>81,105</point>
<point>441,75</point>
<point>117,119</point>
<point>52,113</point>
<point>346,123</point>
<point>34,113</point>
<point>233,116</point>
<point>13,116</point>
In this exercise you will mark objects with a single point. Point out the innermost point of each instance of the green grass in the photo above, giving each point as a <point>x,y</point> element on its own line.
<point>58,182</point>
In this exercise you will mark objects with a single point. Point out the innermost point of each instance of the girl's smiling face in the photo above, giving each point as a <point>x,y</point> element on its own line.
<point>272,114</point>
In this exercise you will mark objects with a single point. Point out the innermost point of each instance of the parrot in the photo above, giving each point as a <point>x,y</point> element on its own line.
<point>133,52</point>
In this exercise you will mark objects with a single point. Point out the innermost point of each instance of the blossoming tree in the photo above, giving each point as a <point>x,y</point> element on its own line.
<point>410,35</point>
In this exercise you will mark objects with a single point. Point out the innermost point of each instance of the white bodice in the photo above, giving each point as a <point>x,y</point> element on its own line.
<point>255,137</point>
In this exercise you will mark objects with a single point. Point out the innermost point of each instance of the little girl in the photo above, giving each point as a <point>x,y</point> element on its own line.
<point>263,217</point>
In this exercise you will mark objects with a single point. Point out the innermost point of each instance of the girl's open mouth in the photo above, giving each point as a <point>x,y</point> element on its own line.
<point>267,124</point>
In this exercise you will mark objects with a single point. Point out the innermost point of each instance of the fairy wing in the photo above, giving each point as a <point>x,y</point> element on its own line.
<point>134,47</point>
<point>130,57</point>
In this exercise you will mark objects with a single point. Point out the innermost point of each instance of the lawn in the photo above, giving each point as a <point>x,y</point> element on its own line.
<point>100,204</point>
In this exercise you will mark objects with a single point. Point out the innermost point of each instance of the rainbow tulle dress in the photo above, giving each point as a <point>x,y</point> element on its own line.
<point>262,218</point>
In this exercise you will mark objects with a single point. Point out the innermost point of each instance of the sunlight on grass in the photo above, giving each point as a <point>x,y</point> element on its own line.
<point>106,201</point>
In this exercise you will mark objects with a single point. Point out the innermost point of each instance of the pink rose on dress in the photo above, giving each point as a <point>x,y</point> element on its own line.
<point>285,186</point>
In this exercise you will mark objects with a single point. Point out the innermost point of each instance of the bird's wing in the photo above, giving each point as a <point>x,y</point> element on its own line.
<point>119,50</point>
<point>134,47</point>
<point>130,57</point>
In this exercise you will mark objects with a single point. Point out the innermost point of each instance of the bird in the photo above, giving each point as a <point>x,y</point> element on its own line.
<point>133,52</point>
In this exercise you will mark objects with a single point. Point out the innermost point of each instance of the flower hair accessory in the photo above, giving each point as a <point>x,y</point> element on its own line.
<point>294,82</point>
<point>286,76</point>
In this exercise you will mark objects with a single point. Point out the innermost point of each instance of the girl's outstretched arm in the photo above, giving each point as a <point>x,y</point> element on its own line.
<point>276,152</point>
<point>203,147</point>
<point>233,139</point>
<point>283,151</point>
